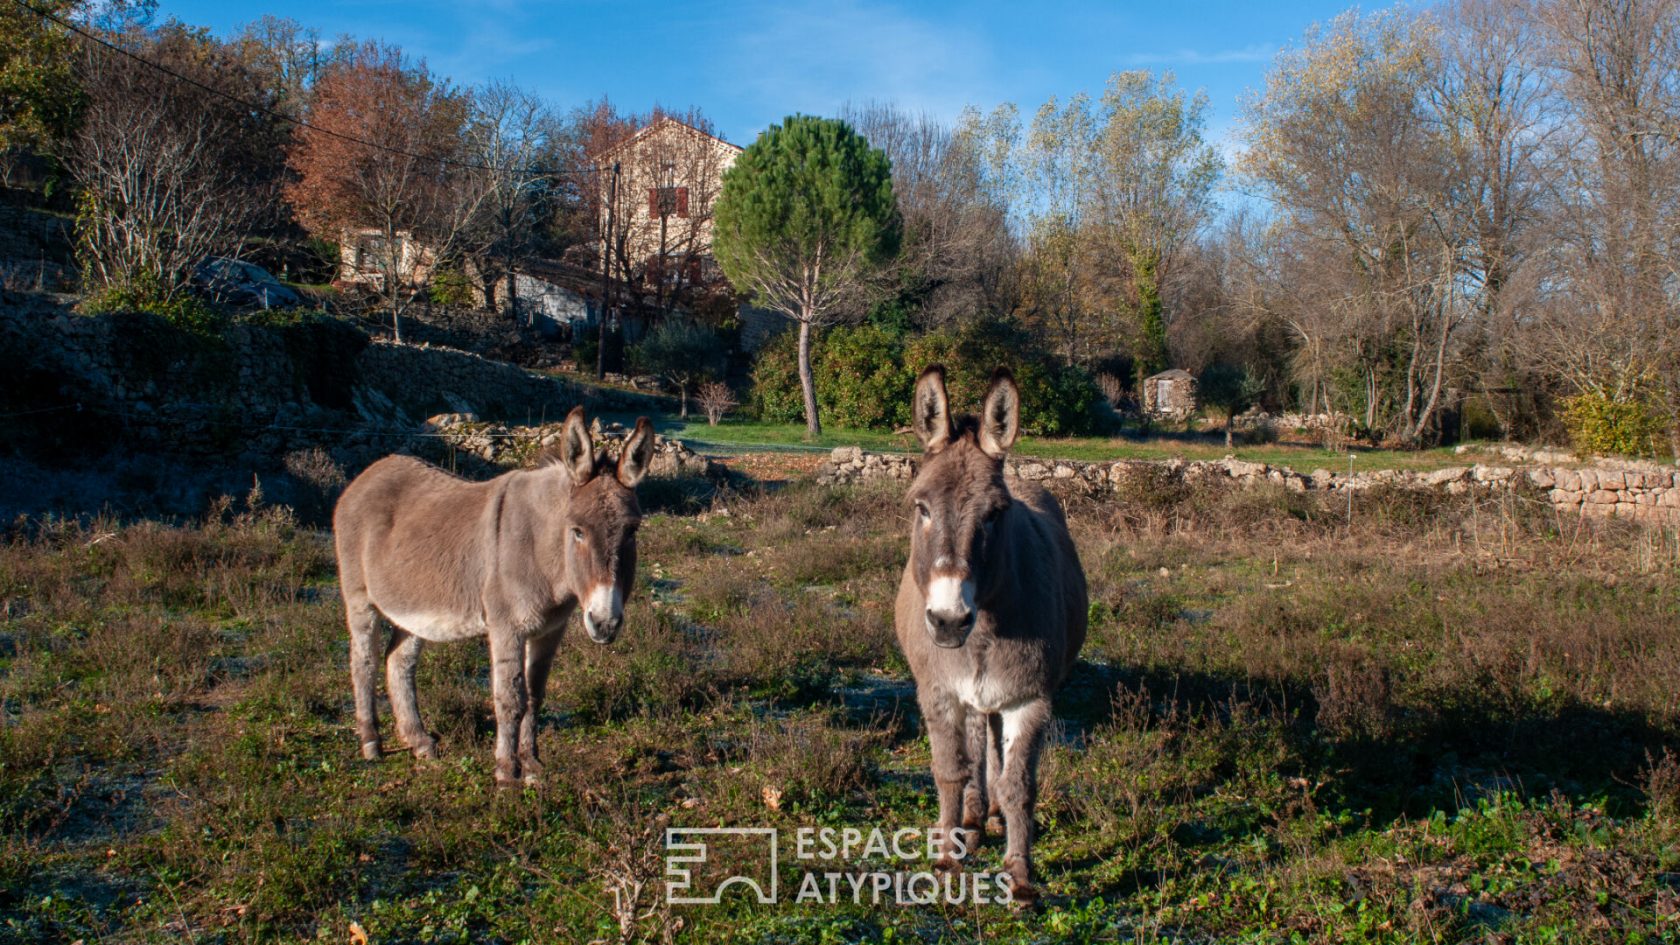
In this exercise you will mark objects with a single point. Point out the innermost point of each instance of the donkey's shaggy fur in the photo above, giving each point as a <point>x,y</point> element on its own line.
<point>444,559</point>
<point>991,615</point>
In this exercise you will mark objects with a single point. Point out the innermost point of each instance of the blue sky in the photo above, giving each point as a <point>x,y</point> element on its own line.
<point>749,64</point>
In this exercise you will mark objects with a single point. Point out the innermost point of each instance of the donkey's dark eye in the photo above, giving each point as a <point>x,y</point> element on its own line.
<point>577,534</point>
<point>922,510</point>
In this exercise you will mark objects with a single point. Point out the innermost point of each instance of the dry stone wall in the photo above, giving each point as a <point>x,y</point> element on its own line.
<point>98,380</point>
<point>503,445</point>
<point>1643,491</point>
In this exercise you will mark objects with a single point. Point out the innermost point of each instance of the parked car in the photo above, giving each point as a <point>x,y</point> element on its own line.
<point>237,282</point>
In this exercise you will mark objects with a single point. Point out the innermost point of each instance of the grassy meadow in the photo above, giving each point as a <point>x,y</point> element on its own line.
<point>1450,720</point>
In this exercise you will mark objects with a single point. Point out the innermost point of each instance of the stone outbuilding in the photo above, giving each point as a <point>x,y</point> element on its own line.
<point>1170,395</point>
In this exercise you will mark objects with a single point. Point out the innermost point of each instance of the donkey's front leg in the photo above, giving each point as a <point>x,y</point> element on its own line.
<point>1023,736</point>
<point>948,740</point>
<point>539,656</point>
<point>994,770</point>
<point>507,691</point>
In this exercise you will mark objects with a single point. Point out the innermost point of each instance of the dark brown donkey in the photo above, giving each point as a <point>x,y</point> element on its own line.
<point>991,615</point>
<point>445,559</point>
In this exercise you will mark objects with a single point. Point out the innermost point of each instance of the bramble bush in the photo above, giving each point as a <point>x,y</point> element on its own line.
<point>865,375</point>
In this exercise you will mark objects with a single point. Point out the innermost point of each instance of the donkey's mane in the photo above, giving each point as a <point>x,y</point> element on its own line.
<point>964,425</point>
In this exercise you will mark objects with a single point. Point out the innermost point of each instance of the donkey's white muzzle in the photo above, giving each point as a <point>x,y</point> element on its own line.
<point>950,610</point>
<point>603,613</point>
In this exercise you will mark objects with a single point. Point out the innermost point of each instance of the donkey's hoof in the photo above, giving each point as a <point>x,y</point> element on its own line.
<point>994,823</point>
<point>425,748</point>
<point>372,750</point>
<point>1023,897</point>
<point>947,864</point>
<point>1022,893</point>
<point>530,766</point>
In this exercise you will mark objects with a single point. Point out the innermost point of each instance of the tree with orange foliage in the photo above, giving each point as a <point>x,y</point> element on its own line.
<point>385,152</point>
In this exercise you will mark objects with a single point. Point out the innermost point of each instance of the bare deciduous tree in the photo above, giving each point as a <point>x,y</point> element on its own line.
<point>1613,325</point>
<point>511,137</point>
<point>957,247</point>
<point>1362,175</point>
<point>168,174</point>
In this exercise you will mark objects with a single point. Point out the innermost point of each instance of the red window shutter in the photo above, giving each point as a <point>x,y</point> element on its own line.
<point>682,201</point>
<point>653,201</point>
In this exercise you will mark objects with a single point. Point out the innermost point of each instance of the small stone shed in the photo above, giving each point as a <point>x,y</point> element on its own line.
<point>1170,394</point>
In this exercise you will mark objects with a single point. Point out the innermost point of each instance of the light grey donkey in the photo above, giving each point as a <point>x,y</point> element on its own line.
<point>991,615</point>
<point>443,559</point>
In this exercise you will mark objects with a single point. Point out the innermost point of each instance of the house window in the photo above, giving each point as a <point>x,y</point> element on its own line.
<point>668,201</point>
<point>373,252</point>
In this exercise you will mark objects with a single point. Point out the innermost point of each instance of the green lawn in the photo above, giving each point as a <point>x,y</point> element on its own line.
<point>749,435</point>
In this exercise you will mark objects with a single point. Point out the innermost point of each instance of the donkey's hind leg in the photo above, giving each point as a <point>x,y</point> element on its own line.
<point>401,659</point>
<point>364,653</point>
<point>975,792</point>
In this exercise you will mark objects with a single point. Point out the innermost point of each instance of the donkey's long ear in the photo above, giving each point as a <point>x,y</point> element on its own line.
<point>577,450</point>
<point>638,452</point>
<point>1000,416</point>
<point>930,409</point>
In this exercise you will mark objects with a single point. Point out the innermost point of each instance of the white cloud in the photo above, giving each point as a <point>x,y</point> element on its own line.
<point>1256,52</point>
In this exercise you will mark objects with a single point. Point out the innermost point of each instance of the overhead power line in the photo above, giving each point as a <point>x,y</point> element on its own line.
<point>242,103</point>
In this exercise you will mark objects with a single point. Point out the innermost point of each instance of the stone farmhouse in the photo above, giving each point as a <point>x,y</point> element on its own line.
<point>657,190</point>
<point>365,253</point>
<point>666,178</point>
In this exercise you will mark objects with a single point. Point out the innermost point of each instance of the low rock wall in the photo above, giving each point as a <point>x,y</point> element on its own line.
<point>519,445</point>
<point>84,382</point>
<point>1648,493</point>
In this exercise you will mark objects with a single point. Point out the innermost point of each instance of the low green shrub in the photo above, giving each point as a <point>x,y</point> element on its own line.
<point>775,380</point>
<point>450,287</point>
<point>865,375</point>
<point>186,312</point>
<point>1056,399</point>
<point>863,380</point>
<point>1599,423</point>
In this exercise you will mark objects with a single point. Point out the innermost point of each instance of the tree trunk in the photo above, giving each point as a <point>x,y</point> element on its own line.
<point>807,382</point>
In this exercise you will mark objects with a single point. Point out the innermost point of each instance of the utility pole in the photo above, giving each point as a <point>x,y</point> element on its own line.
<point>606,276</point>
<point>507,263</point>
